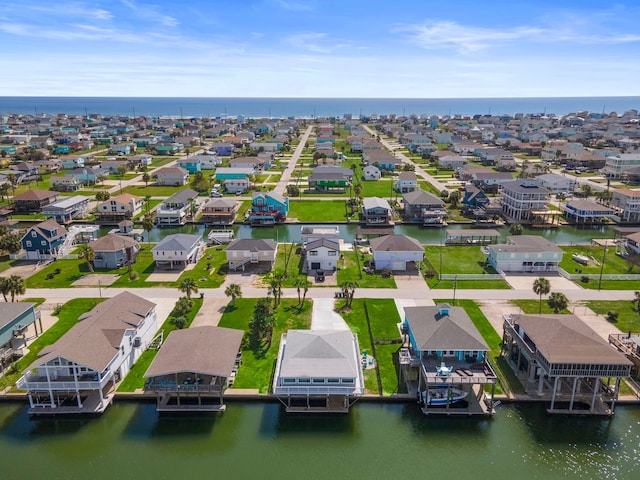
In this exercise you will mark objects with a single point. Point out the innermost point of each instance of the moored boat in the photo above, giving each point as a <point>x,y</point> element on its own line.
<point>442,396</point>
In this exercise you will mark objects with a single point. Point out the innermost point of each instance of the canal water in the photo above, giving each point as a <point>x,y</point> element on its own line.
<point>564,235</point>
<point>374,441</point>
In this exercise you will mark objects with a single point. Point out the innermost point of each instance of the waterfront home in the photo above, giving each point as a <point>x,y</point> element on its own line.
<point>197,381</point>
<point>423,207</point>
<point>376,211</point>
<point>177,208</point>
<point>371,173</point>
<point>561,358</point>
<point>407,182</point>
<point>523,199</point>
<point>328,179</point>
<point>318,371</point>
<point>68,209</point>
<point>114,251</point>
<point>15,319</point>
<point>396,252</point>
<point>192,164</point>
<point>171,176</point>
<point>32,201</point>
<point>616,166</point>
<point>310,233</point>
<point>220,211</point>
<point>256,252</point>
<point>322,254</point>
<point>629,345</point>
<point>445,356</point>
<point>627,205</point>
<point>583,212</point>
<point>121,207</point>
<point>79,372</point>
<point>524,253</point>
<point>474,197</point>
<point>42,241</point>
<point>557,183</point>
<point>268,208</point>
<point>632,243</point>
<point>177,250</point>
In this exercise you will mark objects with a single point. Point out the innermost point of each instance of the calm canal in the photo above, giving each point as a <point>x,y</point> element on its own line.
<point>374,441</point>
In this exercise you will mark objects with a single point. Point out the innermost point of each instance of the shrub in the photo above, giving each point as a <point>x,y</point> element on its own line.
<point>133,276</point>
<point>584,279</point>
<point>179,322</point>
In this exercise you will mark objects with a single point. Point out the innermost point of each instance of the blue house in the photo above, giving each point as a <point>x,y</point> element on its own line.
<point>191,164</point>
<point>15,317</point>
<point>474,197</point>
<point>268,208</point>
<point>61,149</point>
<point>222,149</point>
<point>42,240</point>
<point>229,173</point>
<point>445,361</point>
<point>87,176</point>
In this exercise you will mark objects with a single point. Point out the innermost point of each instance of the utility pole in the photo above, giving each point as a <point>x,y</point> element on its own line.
<point>604,256</point>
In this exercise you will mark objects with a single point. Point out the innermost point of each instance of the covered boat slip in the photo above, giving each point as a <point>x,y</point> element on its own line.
<point>471,236</point>
<point>197,381</point>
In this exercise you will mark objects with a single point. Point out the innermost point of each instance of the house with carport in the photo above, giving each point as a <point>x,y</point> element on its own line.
<point>396,252</point>
<point>177,250</point>
<point>376,211</point>
<point>32,201</point>
<point>244,253</point>
<point>68,209</point>
<point>322,254</point>
<point>15,319</point>
<point>114,251</point>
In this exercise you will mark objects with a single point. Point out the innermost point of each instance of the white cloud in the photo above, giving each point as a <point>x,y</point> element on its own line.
<point>295,6</point>
<point>151,13</point>
<point>311,42</point>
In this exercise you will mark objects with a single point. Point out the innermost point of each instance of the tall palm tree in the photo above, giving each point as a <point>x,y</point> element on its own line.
<point>5,288</point>
<point>541,286</point>
<point>16,286</point>
<point>148,222</point>
<point>86,252</point>
<point>348,288</point>
<point>188,286</point>
<point>300,283</point>
<point>234,291</point>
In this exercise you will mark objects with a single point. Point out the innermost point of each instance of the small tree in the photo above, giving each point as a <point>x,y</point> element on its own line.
<point>188,286</point>
<point>612,316</point>
<point>263,319</point>
<point>454,198</point>
<point>515,229</point>
<point>86,252</point>
<point>293,191</point>
<point>541,286</point>
<point>16,286</point>
<point>275,287</point>
<point>11,242</point>
<point>234,291</point>
<point>5,288</point>
<point>557,301</point>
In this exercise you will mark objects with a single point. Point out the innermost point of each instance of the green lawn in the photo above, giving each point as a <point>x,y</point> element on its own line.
<point>258,361</point>
<point>144,266</point>
<point>532,307</point>
<point>613,263</point>
<point>152,190</point>
<point>456,259</point>
<point>213,276</point>
<point>593,284</point>
<point>350,269</point>
<point>67,316</point>
<point>70,271</point>
<point>507,380</point>
<point>318,211</point>
<point>294,266</point>
<point>382,188</point>
<point>468,284</point>
<point>135,377</point>
<point>628,316</point>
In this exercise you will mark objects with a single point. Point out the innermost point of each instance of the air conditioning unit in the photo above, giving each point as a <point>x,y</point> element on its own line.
<point>137,342</point>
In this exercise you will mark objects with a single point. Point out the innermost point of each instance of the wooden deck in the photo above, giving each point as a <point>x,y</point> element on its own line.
<point>90,405</point>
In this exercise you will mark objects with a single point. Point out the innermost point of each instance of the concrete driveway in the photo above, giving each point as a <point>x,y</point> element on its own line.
<point>324,318</point>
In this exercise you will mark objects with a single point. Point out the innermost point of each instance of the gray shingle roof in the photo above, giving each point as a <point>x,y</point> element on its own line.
<point>177,241</point>
<point>395,243</point>
<point>253,244</point>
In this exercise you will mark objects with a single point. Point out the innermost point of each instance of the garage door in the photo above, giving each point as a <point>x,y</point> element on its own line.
<point>315,265</point>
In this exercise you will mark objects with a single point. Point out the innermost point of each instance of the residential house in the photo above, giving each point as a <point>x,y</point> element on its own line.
<point>114,251</point>
<point>557,183</point>
<point>15,318</point>
<point>451,162</point>
<point>195,382</point>
<point>522,198</point>
<point>177,250</point>
<point>310,233</point>
<point>167,148</point>
<point>322,254</point>
<point>318,371</point>
<point>560,358</point>
<point>268,208</point>
<point>42,241</point>
<point>121,207</point>
<point>383,159</point>
<point>257,252</point>
<point>423,207</point>
<point>32,201</point>
<point>627,204</point>
<point>209,162</point>
<point>632,243</point>
<point>87,176</point>
<point>176,209</point>
<point>377,211</point>
<point>583,212</point>
<point>396,252</point>
<point>371,173</point>
<point>257,164</point>
<point>330,179</point>
<point>192,164</point>
<point>65,184</point>
<point>122,149</point>
<point>446,360</point>
<point>222,149</point>
<point>79,372</point>
<point>617,165</point>
<point>525,253</point>
<point>172,176</point>
<point>234,179</point>
<point>68,209</point>
<point>490,182</point>
<point>220,211</point>
<point>407,182</point>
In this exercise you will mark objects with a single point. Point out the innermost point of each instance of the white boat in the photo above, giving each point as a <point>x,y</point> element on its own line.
<point>442,396</point>
<point>581,259</point>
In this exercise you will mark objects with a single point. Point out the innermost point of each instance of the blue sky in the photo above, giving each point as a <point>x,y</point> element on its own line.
<point>320,48</point>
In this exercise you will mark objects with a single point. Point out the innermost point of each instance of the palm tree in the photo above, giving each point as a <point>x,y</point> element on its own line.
<point>234,291</point>
<point>5,288</point>
<point>300,283</point>
<point>148,222</point>
<point>16,286</point>
<point>147,199</point>
<point>275,286</point>
<point>636,300</point>
<point>87,253</point>
<point>557,301</point>
<point>541,286</point>
<point>145,178</point>
<point>188,286</point>
<point>348,288</point>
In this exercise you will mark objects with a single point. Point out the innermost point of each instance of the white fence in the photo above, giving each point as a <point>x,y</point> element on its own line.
<point>471,276</point>
<point>596,276</point>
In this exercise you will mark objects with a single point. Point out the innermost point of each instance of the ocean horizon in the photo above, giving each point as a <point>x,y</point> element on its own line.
<point>261,107</point>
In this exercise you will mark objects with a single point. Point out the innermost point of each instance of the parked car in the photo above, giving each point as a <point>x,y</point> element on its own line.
<point>216,194</point>
<point>319,276</point>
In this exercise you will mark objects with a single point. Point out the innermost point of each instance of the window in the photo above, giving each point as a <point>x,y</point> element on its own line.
<point>333,380</point>
<point>42,242</point>
<point>289,380</point>
<point>33,233</point>
<point>28,242</point>
<point>333,253</point>
<point>318,380</point>
<point>304,380</point>
<point>348,381</point>
<point>313,253</point>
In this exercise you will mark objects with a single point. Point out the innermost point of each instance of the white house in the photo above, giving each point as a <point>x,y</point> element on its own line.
<point>172,176</point>
<point>525,253</point>
<point>251,251</point>
<point>121,207</point>
<point>557,183</point>
<point>79,372</point>
<point>407,182</point>
<point>396,252</point>
<point>451,162</point>
<point>178,249</point>
<point>322,254</point>
<point>371,173</point>
<point>175,209</point>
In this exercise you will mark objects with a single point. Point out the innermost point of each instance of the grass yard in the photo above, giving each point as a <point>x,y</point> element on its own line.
<point>135,377</point>
<point>428,187</point>
<point>152,190</point>
<point>507,380</point>
<point>532,307</point>
<point>211,269</point>
<point>144,266</point>
<point>382,188</point>
<point>318,211</point>
<point>69,272</point>
<point>613,264</point>
<point>67,317</point>
<point>468,284</point>
<point>593,284</point>
<point>457,259</point>
<point>350,269</point>
<point>628,316</point>
<point>294,267</point>
<point>258,361</point>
